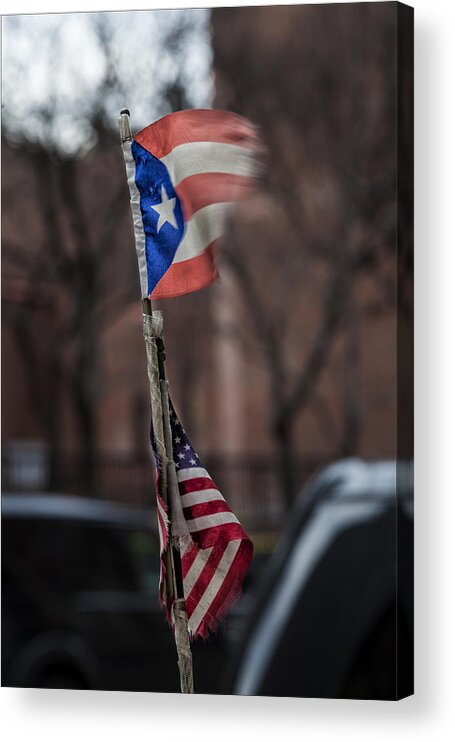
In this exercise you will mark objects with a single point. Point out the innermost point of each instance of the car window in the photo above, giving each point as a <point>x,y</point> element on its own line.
<point>144,552</point>
<point>66,556</point>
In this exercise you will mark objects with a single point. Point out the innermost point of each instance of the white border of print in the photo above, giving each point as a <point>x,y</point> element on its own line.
<point>75,715</point>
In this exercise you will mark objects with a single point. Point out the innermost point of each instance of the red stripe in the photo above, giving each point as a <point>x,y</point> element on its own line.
<point>196,484</point>
<point>204,189</point>
<point>203,580</point>
<point>188,559</point>
<point>206,508</point>
<point>218,535</point>
<point>183,127</point>
<point>228,590</point>
<point>189,275</point>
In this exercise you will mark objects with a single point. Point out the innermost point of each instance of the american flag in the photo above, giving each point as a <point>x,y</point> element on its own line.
<point>217,556</point>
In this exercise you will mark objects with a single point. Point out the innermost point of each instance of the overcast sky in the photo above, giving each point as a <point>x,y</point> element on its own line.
<point>55,64</point>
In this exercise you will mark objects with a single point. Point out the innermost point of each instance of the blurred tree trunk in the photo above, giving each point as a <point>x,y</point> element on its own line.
<point>85,394</point>
<point>84,374</point>
<point>286,467</point>
<point>54,417</point>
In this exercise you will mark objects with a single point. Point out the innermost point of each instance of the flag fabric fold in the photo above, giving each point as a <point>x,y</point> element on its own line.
<point>185,172</point>
<point>216,555</point>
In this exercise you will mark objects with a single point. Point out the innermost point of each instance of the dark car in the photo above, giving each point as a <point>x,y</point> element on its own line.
<point>333,616</point>
<point>80,600</point>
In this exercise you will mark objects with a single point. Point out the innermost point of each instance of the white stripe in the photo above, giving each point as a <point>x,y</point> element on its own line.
<point>195,570</point>
<point>209,157</point>
<point>139,234</point>
<point>196,498</point>
<point>162,511</point>
<point>214,585</point>
<point>205,226</point>
<point>195,473</point>
<point>162,524</point>
<point>209,521</point>
<point>188,548</point>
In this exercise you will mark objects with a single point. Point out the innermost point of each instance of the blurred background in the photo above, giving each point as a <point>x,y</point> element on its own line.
<point>300,356</point>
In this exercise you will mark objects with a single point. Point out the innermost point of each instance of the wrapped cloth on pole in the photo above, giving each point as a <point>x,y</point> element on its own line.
<point>171,587</point>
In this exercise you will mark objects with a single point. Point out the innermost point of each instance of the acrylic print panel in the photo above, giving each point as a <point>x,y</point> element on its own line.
<point>292,374</point>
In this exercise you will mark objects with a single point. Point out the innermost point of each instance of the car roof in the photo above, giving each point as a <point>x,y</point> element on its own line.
<point>354,477</point>
<point>73,508</point>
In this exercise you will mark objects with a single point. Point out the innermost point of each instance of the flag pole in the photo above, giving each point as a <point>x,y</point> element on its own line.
<point>168,486</point>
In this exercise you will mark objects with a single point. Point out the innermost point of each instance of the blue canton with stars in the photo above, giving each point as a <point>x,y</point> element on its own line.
<point>185,456</point>
<point>162,236</point>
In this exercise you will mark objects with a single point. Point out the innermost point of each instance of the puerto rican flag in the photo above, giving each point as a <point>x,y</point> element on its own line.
<point>185,172</point>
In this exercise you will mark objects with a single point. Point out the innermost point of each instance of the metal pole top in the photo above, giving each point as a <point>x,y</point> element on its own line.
<point>124,126</point>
